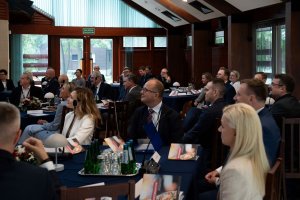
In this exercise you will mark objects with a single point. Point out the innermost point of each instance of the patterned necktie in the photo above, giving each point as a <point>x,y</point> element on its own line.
<point>150,116</point>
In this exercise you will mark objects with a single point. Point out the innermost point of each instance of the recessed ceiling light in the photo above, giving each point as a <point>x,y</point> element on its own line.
<point>184,0</point>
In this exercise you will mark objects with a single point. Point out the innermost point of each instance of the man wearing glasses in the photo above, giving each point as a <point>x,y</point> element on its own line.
<point>282,87</point>
<point>165,120</point>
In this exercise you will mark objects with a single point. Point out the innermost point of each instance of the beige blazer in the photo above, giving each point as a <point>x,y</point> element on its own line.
<point>82,129</point>
<point>237,181</point>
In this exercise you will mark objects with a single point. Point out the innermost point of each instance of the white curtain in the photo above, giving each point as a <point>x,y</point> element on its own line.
<point>98,13</point>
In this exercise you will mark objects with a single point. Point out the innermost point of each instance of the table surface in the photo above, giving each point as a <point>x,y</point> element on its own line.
<point>186,169</point>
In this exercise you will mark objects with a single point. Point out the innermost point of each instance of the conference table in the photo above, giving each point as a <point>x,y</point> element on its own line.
<point>186,169</point>
<point>27,119</point>
<point>177,102</point>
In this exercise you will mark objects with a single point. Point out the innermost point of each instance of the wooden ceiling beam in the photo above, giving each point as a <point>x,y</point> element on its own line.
<point>223,6</point>
<point>178,11</point>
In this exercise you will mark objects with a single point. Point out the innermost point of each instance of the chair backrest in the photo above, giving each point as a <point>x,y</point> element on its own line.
<point>291,137</point>
<point>116,121</point>
<point>186,107</point>
<point>218,150</point>
<point>63,115</point>
<point>273,181</point>
<point>95,192</point>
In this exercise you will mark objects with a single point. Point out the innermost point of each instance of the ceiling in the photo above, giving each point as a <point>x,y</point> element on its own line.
<point>181,12</point>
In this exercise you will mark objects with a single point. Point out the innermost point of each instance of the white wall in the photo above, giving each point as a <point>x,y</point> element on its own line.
<point>4,45</point>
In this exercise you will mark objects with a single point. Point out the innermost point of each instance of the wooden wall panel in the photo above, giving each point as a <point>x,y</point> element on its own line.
<point>201,50</point>
<point>219,58</point>
<point>240,48</point>
<point>293,43</point>
<point>4,14</point>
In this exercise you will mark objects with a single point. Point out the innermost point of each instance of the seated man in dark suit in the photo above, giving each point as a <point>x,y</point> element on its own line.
<point>25,91</point>
<point>5,84</point>
<point>133,92</point>
<point>100,89</point>
<point>230,92</point>
<point>285,104</point>
<point>165,78</point>
<point>166,121</point>
<point>200,133</point>
<point>32,182</point>
<point>253,92</point>
<point>50,82</point>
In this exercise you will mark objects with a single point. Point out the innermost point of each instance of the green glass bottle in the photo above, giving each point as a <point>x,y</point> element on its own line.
<point>125,160</point>
<point>132,161</point>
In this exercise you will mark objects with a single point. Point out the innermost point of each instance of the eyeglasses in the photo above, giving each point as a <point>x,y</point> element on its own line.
<point>274,84</point>
<point>147,90</point>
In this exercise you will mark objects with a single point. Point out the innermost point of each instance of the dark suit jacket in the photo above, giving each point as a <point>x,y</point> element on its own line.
<point>105,91</point>
<point>144,79</point>
<point>170,125</point>
<point>9,85</point>
<point>134,99</point>
<point>52,86</point>
<point>287,106</point>
<point>16,94</point>
<point>200,133</point>
<point>230,93</point>
<point>163,80</point>
<point>19,180</point>
<point>271,134</point>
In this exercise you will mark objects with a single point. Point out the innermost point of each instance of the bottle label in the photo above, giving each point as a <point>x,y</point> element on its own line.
<point>125,157</point>
<point>130,154</point>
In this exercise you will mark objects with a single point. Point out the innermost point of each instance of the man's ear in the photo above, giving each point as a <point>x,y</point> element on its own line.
<point>17,137</point>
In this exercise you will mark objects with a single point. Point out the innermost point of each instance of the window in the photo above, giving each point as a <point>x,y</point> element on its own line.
<point>35,55</point>
<point>134,41</point>
<point>219,37</point>
<point>160,42</point>
<point>270,50</point>
<point>74,57</point>
<point>189,41</point>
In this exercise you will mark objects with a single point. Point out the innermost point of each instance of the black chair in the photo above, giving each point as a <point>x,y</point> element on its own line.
<point>291,137</point>
<point>95,192</point>
<point>273,181</point>
<point>116,119</point>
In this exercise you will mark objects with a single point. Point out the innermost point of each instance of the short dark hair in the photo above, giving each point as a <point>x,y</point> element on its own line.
<point>80,70</point>
<point>258,87</point>
<point>219,84</point>
<point>287,81</point>
<point>207,75</point>
<point>141,68</point>
<point>132,77</point>
<point>3,71</point>
<point>263,75</point>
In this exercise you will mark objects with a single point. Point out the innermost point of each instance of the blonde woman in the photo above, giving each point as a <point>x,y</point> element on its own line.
<point>234,79</point>
<point>81,122</point>
<point>244,175</point>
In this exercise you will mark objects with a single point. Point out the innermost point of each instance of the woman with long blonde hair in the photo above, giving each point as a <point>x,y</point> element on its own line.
<point>81,122</point>
<point>244,175</point>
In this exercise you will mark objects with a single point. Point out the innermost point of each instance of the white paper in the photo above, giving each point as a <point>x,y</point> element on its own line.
<point>95,184</point>
<point>34,111</point>
<point>138,188</point>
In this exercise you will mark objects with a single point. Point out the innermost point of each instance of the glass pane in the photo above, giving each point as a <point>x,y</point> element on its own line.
<point>219,37</point>
<point>264,50</point>
<point>69,49</point>
<point>102,54</point>
<point>35,55</point>
<point>189,41</point>
<point>160,42</point>
<point>134,41</point>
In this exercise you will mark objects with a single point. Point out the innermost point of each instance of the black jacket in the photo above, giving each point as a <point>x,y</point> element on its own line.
<point>170,125</point>
<point>20,180</point>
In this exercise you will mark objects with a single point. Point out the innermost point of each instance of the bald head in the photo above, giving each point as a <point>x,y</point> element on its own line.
<point>9,125</point>
<point>50,73</point>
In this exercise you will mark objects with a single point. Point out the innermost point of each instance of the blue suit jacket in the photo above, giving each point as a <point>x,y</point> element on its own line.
<point>201,131</point>
<point>271,134</point>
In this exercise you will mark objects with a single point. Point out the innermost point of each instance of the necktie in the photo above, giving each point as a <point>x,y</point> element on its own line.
<point>150,116</point>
